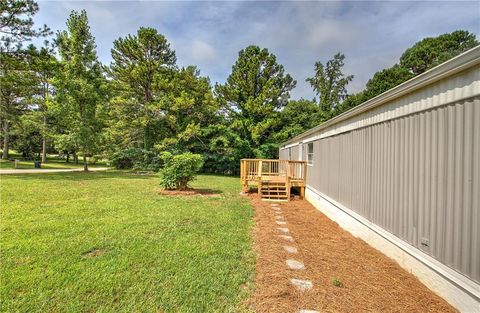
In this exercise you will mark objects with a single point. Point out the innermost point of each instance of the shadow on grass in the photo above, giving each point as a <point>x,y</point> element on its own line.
<point>206,192</point>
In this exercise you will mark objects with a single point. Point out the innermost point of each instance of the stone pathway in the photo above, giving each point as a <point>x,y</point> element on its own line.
<point>301,284</point>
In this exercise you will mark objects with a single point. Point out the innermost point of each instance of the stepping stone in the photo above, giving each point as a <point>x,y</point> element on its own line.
<point>295,265</point>
<point>281,223</point>
<point>279,218</point>
<point>308,311</point>
<point>302,285</point>
<point>287,238</point>
<point>283,229</point>
<point>275,204</point>
<point>290,249</point>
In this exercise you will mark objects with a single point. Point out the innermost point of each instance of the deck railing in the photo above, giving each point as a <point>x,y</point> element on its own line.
<point>253,169</point>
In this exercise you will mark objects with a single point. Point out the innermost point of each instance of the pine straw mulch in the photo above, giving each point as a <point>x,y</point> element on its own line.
<point>371,282</point>
<point>190,192</point>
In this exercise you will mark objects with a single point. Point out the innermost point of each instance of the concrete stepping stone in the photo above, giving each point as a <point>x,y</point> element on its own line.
<point>290,249</point>
<point>287,238</point>
<point>279,218</point>
<point>283,229</point>
<point>280,223</point>
<point>295,265</point>
<point>275,204</point>
<point>308,311</point>
<point>302,285</point>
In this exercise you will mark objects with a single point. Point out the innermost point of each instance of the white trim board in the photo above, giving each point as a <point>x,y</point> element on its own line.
<point>460,291</point>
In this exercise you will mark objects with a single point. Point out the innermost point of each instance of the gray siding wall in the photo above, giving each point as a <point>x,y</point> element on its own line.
<point>283,154</point>
<point>416,176</point>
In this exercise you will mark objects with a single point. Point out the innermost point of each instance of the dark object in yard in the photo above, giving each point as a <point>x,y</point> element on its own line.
<point>37,164</point>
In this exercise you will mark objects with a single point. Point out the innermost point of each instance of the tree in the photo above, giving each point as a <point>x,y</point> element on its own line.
<point>422,56</point>
<point>141,65</point>
<point>16,22</point>
<point>298,116</point>
<point>43,65</point>
<point>17,84</point>
<point>330,83</point>
<point>80,84</point>
<point>254,94</point>
<point>16,27</point>
<point>432,51</point>
<point>386,79</point>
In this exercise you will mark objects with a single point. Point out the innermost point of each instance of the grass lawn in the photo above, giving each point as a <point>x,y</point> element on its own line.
<point>108,242</point>
<point>52,164</point>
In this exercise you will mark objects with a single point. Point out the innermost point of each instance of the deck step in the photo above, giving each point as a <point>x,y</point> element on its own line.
<point>274,190</point>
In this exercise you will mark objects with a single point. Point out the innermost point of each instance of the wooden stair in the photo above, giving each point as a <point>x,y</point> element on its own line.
<point>274,189</point>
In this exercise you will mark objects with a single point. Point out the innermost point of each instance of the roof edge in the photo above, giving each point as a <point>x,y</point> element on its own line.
<point>457,64</point>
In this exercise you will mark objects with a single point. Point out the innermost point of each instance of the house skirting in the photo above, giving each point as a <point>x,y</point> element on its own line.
<point>460,291</point>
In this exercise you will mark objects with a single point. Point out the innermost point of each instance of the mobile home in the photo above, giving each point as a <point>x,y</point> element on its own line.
<point>402,171</point>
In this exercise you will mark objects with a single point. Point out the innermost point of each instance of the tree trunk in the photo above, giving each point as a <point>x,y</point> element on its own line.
<point>6,139</point>
<point>68,157</point>
<point>85,164</point>
<point>44,142</point>
<point>75,157</point>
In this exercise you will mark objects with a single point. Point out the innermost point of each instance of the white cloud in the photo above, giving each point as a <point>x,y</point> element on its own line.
<point>202,51</point>
<point>372,35</point>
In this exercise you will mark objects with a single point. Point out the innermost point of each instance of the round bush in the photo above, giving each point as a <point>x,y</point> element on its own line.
<point>179,170</point>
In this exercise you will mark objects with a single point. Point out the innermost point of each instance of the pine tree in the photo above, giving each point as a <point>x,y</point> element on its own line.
<point>80,84</point>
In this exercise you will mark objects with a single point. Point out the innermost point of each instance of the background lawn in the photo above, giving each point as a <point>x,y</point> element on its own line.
<point>53,163</point>
<point>108,242</point>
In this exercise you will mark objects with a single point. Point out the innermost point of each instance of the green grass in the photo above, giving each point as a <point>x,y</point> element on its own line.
<point>52,164</point>
<point>148,252</point>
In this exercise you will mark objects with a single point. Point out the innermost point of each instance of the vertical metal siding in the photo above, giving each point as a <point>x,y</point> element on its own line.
<point>416,176</point>
<point>283,154</point>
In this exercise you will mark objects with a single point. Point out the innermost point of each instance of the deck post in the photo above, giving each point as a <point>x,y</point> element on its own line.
<point>259,179</point>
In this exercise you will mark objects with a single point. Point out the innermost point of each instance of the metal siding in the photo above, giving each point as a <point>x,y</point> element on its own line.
<point>283,154</point>
<point>416,176</point>
<point>294,152</point>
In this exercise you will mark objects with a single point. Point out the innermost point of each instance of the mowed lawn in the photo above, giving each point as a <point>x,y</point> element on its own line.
<point>109,242</point>
<point>52,164</point>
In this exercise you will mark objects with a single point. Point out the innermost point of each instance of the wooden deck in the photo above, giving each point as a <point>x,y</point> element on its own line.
<point>273,178</point>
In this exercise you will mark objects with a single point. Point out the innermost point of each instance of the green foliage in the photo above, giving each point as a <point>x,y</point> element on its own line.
<point>422,56</point>
<point>337,282</point>
<point>298,116</point>
<point>16,23</point>
<point>136,158</point>
<point>141,67</point>
<point>330,83</point>
<point>255,92</point>
<point>80,85</point>
<point>28,137</point>
<point>17,86</point>
<point>126,159</point>
<point>179,170</point>
<point>432,51</point>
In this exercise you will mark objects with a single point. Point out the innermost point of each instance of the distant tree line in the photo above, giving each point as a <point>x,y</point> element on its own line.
<point>59,98</point>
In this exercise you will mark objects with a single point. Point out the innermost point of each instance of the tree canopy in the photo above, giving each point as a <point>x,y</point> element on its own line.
<point>58,98</point>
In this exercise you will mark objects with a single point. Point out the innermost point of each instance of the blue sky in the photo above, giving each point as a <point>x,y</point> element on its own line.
<point>372,35</point>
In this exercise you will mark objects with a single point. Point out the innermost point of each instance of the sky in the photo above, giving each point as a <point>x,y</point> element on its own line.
<point>372,35</point>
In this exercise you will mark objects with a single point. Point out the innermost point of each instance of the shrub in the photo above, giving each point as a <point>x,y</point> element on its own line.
<point>137,159</point>
<point>127,158</point>
<point>179,170</point>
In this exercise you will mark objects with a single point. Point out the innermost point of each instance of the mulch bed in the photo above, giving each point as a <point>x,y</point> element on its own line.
<point>190,192</point>
<point>371,282</point>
